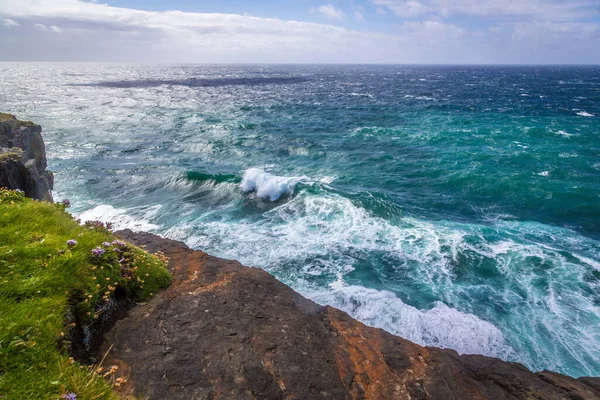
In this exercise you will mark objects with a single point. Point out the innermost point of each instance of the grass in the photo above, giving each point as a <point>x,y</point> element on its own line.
<point>11,118</point>
<point>6,117</point>
<point>47,284</point>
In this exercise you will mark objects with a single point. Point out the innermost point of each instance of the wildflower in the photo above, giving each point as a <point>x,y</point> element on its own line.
<point>119,243</point>
<point>98,251</point>
<point>71,242</point>
<point>66,203</point>
<point>106,244</point>
<point>70,396</point>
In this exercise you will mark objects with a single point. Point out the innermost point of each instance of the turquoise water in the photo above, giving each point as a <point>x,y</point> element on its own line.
<point>454,206</point>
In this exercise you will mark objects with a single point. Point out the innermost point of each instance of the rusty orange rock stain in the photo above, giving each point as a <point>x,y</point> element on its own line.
<point>375,380</point>
<point>222,282</point>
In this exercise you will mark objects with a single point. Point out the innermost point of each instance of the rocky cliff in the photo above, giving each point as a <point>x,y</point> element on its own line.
<point>23,158</point>
<point>226,331</point>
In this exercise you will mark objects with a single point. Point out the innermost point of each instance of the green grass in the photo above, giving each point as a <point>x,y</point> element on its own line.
<point>45,285</point>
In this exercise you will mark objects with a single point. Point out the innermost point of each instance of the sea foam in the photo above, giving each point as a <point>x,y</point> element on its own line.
<point>266,185</point>
<point>439,326</point>
<point>585,114</point>
<point>136,219</point>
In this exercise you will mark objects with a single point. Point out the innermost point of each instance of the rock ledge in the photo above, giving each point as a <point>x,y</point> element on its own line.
<point>226,331</point>
<point>23,158</point>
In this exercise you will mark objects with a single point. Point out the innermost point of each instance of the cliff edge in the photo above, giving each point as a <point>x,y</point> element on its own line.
<point>23,158</point>
<point>226,331</point>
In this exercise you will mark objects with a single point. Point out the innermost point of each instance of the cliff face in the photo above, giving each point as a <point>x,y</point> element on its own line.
<point>23,158</point>
<point>226,331</point>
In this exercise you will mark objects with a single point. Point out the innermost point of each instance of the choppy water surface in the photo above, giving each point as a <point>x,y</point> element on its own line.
<point>454,206</point>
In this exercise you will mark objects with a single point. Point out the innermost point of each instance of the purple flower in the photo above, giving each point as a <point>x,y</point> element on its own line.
<point>71,242</point>
<point>119,243</point>
<point>98,251</point>
<point>66,203</point>
<point>106,244</point>
<point>70,396</point>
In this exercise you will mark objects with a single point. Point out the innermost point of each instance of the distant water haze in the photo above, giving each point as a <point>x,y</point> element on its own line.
<point>453,206</point>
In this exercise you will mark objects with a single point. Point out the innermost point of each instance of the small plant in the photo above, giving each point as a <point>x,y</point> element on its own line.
<point>11,196</point>
<point>99,226</point>
<point>57,276</point>
<point>65,203</point>
<point>97,252</point>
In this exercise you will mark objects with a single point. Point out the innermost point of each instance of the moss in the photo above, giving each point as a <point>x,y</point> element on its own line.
<point>7,117</point>
<point>11,118</point>
<point>13,154</point>
<point>46,284</point>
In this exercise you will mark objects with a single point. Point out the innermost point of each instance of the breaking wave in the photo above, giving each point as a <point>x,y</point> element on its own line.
<point>267,186</point>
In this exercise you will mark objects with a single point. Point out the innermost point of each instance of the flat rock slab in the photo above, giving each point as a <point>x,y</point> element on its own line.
<point>226,331</point>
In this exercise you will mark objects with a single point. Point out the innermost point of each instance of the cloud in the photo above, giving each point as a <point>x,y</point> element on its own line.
<point>44,28</point>
<point>331,12</point>
<point>551,10</point>
<point>358,15</point>
<point>100,32</point>
<point>8,23</point>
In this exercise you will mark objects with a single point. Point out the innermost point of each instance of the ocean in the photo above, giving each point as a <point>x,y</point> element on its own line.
<point>455,206</point>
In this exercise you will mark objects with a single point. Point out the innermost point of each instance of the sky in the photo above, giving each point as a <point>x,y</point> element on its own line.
<point>302,31</point>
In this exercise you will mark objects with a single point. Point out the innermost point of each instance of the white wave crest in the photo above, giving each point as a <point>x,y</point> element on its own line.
<point>585,114</point>
<point>440,326</point>
<point>136,219</point>
<point>268,186</point>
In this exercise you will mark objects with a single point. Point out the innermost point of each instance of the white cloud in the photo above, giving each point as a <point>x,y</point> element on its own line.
<point>552,10</point>
<point>358,16</point>
<point>99,32</point>
<point>331,12</point>
<point>8,23</point>
<point>44,28</point>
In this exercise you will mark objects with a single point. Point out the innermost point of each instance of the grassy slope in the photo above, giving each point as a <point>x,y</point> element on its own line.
<point>44,282</point>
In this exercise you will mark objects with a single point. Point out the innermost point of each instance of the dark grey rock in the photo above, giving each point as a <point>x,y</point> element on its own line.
<point>23,158</point>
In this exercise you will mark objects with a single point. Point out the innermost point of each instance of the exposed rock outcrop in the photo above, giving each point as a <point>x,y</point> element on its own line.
<point>23,158</point>
<point>226,331</point>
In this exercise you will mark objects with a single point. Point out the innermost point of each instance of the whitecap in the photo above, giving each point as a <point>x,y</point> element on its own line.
<point>361,95</point>
<point>585,114</point>
<point>544,173</point>
<point>266,185</point>
<point>564,133</point>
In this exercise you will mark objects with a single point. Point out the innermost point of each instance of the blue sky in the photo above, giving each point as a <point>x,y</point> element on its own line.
<point>302,31</point>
